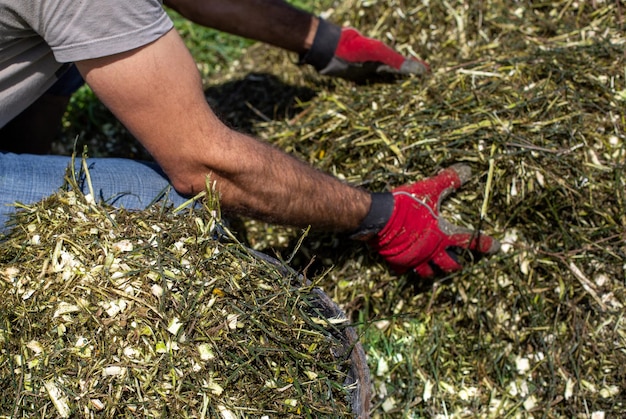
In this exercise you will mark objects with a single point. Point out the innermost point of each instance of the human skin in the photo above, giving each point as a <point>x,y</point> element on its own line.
<point>156,92</point>
<point>270,21</point>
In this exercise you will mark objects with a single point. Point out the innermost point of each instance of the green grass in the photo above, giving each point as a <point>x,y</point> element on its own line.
<point>213,50</point>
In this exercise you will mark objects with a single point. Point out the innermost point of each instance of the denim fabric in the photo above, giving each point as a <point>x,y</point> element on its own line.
<point>123,183</point>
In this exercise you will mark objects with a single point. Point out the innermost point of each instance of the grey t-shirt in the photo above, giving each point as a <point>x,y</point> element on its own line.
<point>38,36</point>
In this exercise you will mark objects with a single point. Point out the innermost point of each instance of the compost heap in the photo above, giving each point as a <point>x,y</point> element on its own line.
<point>148,313</point>
<point>531,95</point>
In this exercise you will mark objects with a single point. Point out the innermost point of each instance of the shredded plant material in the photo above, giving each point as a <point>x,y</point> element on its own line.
<point>116,313</point>
<point>532,95</point>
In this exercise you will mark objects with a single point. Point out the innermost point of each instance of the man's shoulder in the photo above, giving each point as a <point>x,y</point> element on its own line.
<point>86,29</point>
<point>105,28</point>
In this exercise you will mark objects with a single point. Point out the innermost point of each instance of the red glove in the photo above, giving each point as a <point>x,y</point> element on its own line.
<point>348,54</point>
<point>417,237</point>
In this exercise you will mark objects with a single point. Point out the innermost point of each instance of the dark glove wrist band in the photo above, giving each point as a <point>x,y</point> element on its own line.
<point>324,45</point>
<point>377,217</point>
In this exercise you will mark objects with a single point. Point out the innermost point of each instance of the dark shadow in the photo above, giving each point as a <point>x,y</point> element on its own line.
<point>241,104</point>
<point>258,97</point>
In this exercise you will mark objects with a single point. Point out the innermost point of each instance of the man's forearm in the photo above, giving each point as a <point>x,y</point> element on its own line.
<point>261,181</point>
<point>271,21</point>
<point>256,179</point>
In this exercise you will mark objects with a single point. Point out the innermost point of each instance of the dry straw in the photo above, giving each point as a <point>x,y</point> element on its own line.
<point>532,95</point>
<point>111,313</point>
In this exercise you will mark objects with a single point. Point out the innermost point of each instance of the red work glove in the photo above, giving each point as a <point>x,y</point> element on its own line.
<point>344,52</point>
<point>417,237</point>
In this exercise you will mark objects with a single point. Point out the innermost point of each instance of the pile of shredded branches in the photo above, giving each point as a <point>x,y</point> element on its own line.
<point>112,313</point>
<point>532,95</point>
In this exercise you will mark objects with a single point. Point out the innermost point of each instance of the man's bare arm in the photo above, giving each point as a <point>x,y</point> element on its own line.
<point>331,49</point>
<point>274,22</point>
<point>156,92</point>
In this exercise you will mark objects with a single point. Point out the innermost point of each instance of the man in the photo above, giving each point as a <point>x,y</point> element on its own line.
<point>138,66</point>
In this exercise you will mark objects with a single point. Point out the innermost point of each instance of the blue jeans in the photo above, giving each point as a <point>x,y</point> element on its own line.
<point>126,183</point>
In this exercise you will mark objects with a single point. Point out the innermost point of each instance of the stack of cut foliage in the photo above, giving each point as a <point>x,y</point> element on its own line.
<point>532,95</point>
<point>111,313</point>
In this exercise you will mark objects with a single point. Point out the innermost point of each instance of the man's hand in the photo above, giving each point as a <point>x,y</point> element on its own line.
<point>346,53</point>
<point>417,237</point>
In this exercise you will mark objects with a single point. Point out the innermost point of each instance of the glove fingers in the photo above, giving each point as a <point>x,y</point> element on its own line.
<point>475,241</point>
<point>446,262</point>
<point>356,48</point>
<point>409,66</point>
<point>436,188</point>
<point>414,66</point>
<point>424,270</point>
<point>456,175</point>
<point>450,229</point>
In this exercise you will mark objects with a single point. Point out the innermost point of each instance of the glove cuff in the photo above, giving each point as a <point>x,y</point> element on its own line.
<point>378,216</point>
<point>324,45</point>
